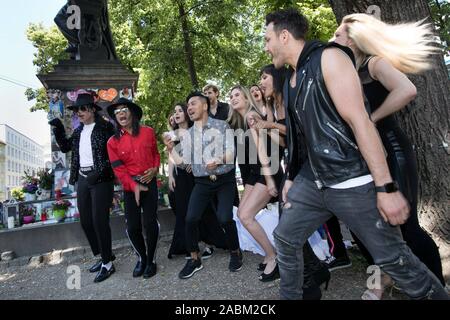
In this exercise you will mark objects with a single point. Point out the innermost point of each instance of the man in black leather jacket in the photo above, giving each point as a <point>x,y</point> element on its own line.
<point>336,163</point>
<point>91,170</point>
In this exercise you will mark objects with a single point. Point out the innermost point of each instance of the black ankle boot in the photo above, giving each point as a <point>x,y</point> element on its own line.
<point>311,287</point>
<point>318,268</point>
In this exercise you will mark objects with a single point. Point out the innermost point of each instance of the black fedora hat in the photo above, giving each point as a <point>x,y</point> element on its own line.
<point>85,99</point>
<point>134,108</point>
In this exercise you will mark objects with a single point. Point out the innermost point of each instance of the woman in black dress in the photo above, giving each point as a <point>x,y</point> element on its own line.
<point>388,90</point>
<point>181,183</point>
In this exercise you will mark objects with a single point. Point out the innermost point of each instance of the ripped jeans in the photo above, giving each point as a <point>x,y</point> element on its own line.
<point>357,208</point>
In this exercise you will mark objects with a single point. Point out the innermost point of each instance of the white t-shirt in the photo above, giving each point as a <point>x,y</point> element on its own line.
<point>86,159</point>
<point>354,182</point>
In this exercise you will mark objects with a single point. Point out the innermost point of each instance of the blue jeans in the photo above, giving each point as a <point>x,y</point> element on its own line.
<point>357,208</point>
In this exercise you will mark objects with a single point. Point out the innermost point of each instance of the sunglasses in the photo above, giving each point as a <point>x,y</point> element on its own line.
<point>82,109</point>
<point>124,109</point>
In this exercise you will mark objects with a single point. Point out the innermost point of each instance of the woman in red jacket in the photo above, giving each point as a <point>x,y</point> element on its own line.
<point>135,160</point>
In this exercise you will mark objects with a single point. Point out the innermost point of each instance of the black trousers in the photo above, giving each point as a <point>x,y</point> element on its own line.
<point>145,249</point>
<point>184,183</point>
<point>94,202</point>
<point>210,230</point>
<point>403,167</point>
<point>202,194</point>
<point>334,228</point>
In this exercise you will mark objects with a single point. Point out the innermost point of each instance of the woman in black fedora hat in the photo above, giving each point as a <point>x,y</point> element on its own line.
<point>135,159</point>
<point>91,170</point>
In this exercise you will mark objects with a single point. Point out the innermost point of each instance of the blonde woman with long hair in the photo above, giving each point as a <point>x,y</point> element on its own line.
<point>384,54</point>
<point>261,185</point>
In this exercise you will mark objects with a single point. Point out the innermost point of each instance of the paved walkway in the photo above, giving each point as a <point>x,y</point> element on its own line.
<point>46,277</point>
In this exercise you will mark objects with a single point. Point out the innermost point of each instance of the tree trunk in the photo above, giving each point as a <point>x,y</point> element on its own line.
<point>187,44</point>
<point>425,120</point>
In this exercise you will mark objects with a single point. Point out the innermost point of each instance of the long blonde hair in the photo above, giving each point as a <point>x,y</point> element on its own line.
<point>407,46</point>
<point>235,120</point>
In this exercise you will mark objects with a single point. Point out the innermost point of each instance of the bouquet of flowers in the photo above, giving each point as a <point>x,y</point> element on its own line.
<point>30,188</point>
<point>45,179</point>
<point>27,210</point>
<point>17,193</point>
<point>30,183</point>
<point>61,204</point>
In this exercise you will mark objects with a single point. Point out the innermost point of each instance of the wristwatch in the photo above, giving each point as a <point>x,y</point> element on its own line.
<point>388,187</point>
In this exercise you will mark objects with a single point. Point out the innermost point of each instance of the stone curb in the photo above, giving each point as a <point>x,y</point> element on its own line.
<point>69,255</point>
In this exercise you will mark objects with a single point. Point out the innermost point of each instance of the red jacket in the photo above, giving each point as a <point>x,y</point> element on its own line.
<point>132,155</point>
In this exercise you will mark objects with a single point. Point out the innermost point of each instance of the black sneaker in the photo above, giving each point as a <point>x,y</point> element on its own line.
<point>191,267</point>
<point>337,263</point>
<point>207,253</point>
<point>235,261</point>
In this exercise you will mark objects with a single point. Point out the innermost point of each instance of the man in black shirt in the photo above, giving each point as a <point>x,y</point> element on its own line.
<point>218,110</point>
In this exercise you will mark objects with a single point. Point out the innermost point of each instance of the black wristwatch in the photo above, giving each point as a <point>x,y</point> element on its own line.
<point>388,187</point>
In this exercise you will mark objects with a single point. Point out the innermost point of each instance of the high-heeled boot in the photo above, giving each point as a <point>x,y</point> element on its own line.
<point>319,269</point>
<point>311,289</point>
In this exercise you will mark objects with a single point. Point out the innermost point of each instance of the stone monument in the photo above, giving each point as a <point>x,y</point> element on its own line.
<point>94,67</point>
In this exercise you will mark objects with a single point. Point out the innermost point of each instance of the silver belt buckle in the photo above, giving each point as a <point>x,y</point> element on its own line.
<point>318,184</point>
<point>213,177</point>
<point>82,174</point>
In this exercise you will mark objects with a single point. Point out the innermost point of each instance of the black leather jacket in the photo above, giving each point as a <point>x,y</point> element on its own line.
<point>103,130</point>
<point>316,131</point>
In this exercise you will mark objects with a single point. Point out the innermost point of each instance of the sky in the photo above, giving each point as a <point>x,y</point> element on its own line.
<point>16,62</point>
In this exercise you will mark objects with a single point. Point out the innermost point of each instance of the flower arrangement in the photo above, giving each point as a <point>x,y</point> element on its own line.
<point>45,179</point>
<point>61,204</point>
<point>30,183</point>
<point>17,193</point>
<point>27,210</point>
<point>30,188</point>
<point>27,213</point>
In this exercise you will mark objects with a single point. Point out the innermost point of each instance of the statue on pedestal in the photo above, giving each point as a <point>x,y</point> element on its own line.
<point>85,24</point>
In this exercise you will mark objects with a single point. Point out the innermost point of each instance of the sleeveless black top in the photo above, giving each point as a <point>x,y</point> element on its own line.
<point>375,93</point>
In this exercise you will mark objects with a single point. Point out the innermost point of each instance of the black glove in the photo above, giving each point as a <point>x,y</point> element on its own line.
<point>56,123</point>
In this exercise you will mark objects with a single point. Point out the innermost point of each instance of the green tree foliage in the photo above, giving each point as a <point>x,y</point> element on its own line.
<point>440,12</point>
<point>321,18</point>
<point>50,45</point>
<point>225,37</point>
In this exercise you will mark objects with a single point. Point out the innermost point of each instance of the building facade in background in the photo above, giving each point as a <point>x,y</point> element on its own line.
<point>2,170</point>
<point>20,154</point>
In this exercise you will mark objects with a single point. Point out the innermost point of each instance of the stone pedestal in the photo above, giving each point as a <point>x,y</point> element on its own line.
<point>71,75</point>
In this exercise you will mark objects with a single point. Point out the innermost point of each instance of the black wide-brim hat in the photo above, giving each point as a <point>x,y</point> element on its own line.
<point>85,99</point>
<point>134,108</point>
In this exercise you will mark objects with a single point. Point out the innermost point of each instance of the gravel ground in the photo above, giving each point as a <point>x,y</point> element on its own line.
<point>46,278</point>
